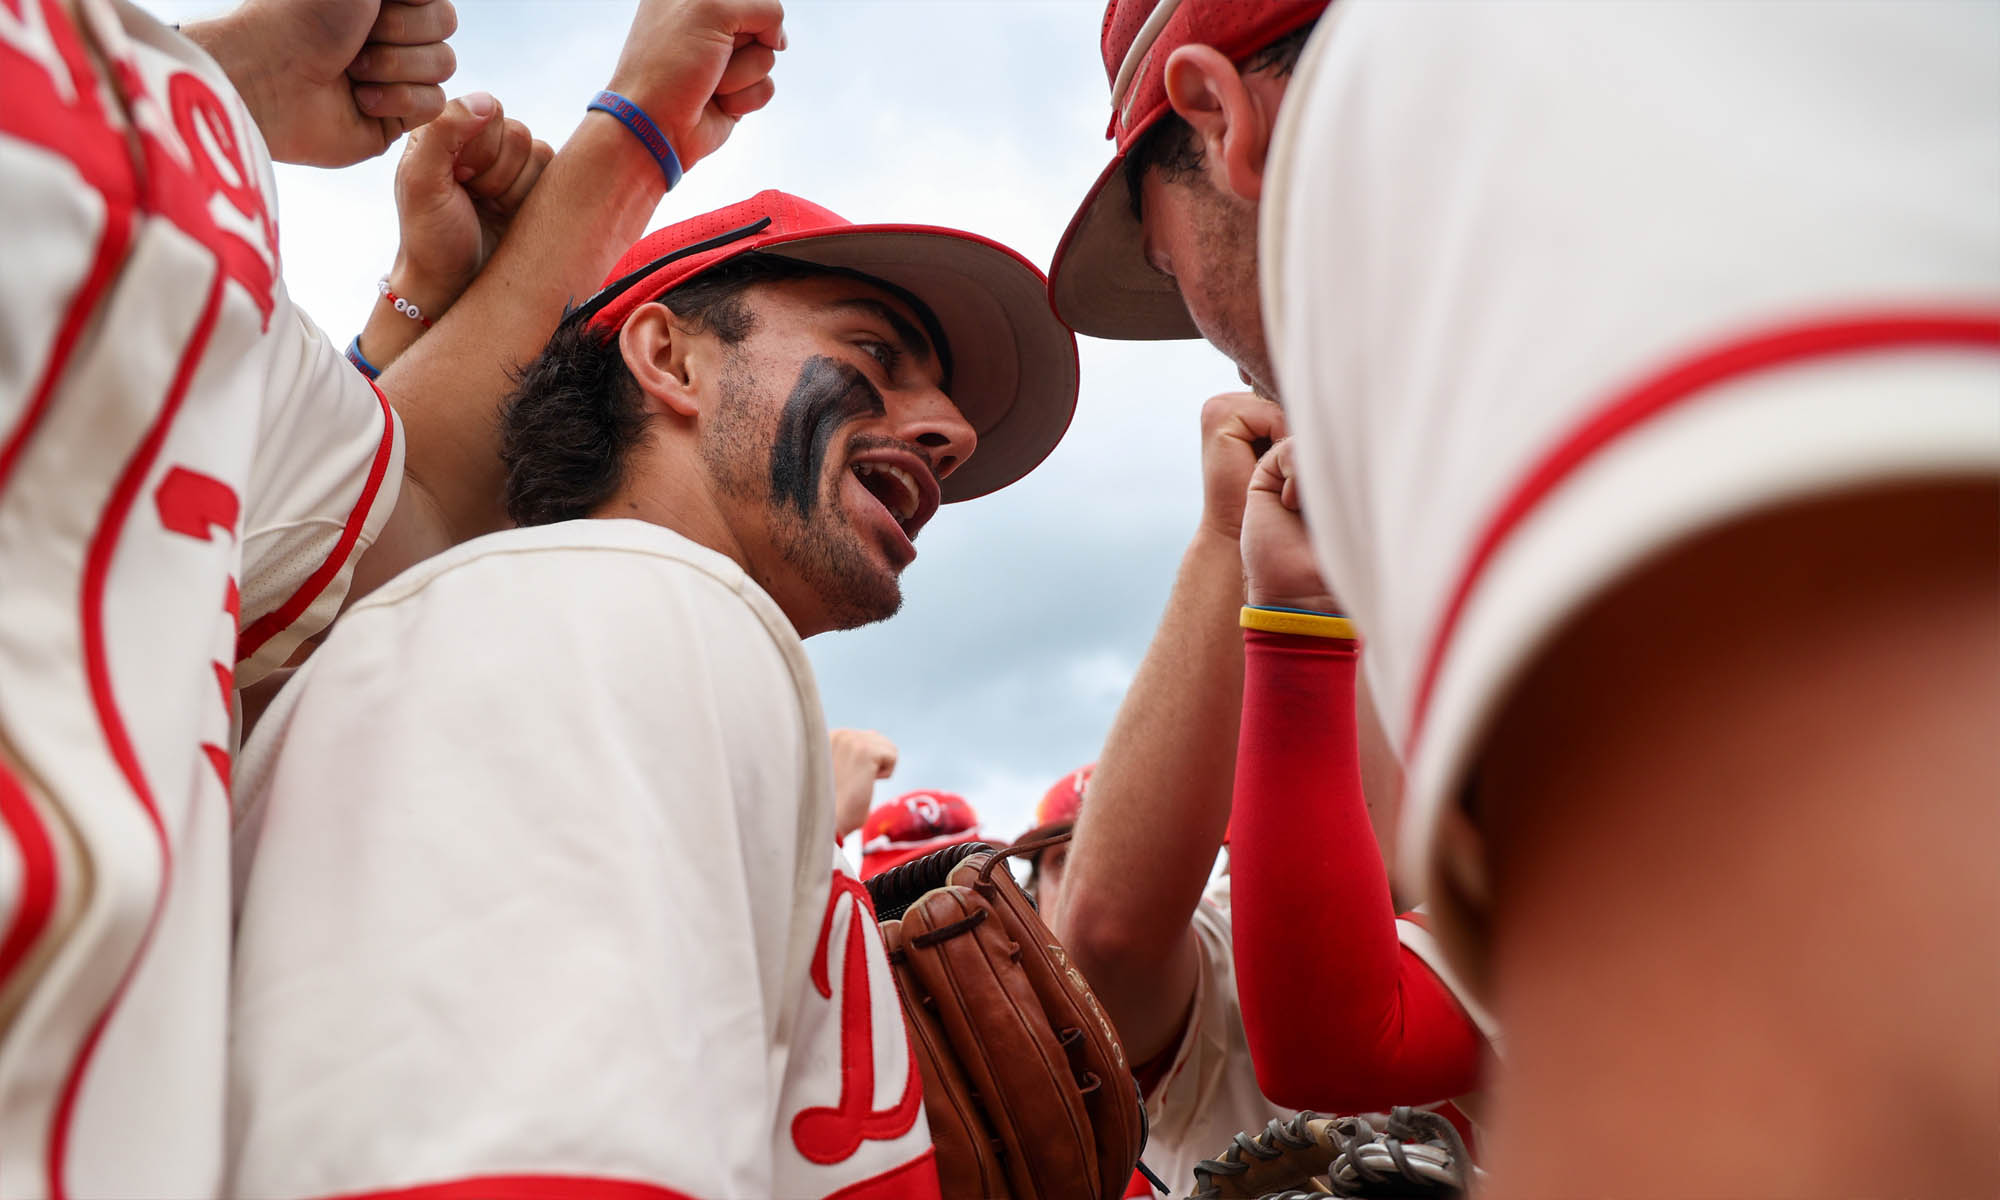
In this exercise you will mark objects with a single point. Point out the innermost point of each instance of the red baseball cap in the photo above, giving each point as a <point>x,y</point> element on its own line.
<point>1100,281</point>
<point>913,825</point>
<point>1060,804</point>
<point>1014,369</point>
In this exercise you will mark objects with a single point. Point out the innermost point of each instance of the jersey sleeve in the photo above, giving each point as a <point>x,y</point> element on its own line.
<point>325,477</point>
<point>1316,931</point>
<point>519,893</point>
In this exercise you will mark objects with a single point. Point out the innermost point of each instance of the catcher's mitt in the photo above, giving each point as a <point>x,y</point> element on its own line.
<point>1408,1153</point>
<point>1025,1082</point>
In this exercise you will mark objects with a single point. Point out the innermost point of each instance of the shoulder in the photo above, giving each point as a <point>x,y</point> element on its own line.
<point>592,568</point>
<point>599,612</point>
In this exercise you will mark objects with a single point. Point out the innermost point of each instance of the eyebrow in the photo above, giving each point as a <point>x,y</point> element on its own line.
<point>913,341</point>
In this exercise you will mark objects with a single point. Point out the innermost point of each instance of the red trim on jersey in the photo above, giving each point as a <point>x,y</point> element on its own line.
<point>1766,350</point>
<point>97,567</point>
<point>111,249</point>
<point>37,901</point>
<point>525,1187</point>
<point>914,1180</point>
<point>272,623</point>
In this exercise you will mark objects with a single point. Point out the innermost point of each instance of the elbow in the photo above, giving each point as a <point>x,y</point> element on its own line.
<point>1106,944</point>
<point>1301,1076</point>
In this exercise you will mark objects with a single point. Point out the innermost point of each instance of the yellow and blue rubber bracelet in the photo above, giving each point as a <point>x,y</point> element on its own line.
<point>1269,619</point>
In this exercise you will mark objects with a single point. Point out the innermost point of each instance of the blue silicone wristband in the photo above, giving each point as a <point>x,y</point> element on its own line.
<point>1304,612</point>
<point>360,361</point>
<point>634,118</point>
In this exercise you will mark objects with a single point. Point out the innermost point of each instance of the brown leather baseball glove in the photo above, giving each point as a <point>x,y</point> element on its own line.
<point>1025,1082</point>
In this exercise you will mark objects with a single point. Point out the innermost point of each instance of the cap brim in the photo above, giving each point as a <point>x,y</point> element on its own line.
<point>1045,830</point>
<point>1100,282</point>
<point>888,860</point>
<point>1014,366</point>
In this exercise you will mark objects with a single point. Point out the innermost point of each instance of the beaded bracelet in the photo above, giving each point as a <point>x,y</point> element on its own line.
<point>1269,619</point>
<point>403,306</point>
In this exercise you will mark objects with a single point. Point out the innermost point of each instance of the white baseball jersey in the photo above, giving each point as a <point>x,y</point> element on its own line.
<point>1551,287</point>
<point>1209,1092</point>
<point>188,470</point>
<point>540,898</point>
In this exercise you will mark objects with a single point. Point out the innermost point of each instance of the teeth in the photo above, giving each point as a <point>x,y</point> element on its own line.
<point>905,506</point>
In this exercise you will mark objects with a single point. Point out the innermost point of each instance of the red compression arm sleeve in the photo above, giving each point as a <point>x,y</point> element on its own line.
<point>1340,1016</point>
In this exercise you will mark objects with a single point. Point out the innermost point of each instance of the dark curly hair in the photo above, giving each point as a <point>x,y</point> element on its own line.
<point>1170,144</point>
<point>575,412</point>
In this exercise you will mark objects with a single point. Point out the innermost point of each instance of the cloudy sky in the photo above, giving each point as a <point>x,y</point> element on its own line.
<point>1026,611</point>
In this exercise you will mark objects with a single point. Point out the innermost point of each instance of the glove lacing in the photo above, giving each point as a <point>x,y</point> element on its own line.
<point>1265,1146</point>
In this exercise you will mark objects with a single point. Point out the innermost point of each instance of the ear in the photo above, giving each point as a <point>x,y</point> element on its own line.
<point>1231,115</point>
<point>656,348</point>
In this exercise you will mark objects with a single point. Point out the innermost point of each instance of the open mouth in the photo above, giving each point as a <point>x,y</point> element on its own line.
<point>897,489</point>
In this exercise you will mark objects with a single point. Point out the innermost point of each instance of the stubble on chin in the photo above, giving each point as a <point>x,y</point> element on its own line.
<point>817,542</point>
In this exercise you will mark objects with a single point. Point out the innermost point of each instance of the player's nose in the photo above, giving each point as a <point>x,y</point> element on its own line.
<point>929,419</point>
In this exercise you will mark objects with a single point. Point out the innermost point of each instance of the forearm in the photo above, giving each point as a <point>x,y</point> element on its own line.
<point>388,334</point>
<point>1314,920</point>
<point>1159,805</point>
<point>590,204</point>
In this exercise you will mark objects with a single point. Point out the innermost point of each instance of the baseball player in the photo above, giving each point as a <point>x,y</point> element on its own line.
<point>915,824</point>
<point>1163,246</point>
<point>193,479</point>
<point>574,924</point>
<point>1644,362</point>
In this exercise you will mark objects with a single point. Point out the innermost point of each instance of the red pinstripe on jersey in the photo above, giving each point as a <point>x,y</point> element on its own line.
<point>30,110</point>
<point>272,623</point>
<point>1688,379</point>
<point>97,567</point>
<point>37,900</point>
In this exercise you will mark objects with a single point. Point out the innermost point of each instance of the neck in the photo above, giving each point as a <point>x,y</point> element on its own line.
<point>677,496</point>
<point>677,493</point>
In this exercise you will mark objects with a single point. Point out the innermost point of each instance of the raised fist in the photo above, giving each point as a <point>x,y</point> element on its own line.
<point>860,757</point>
<point>1235,428</point>
<point>461,180</point>
<point>1278,564</point>
<point>333,82</point>
<point>697,66</point>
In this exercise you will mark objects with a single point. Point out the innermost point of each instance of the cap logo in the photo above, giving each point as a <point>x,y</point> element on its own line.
<point>1136,55</point>
<point>924,807</point>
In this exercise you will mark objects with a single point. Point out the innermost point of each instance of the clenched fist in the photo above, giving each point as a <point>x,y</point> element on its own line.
<point>1278,564</point>
<point>1235,428</point>
<point>333,82</point>
<point>698,66</point>
<point>860,757</point>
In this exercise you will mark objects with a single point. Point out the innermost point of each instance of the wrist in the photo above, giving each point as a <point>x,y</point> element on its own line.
<point>621,169</point>
<point>1264,597</point>
<point>1272,618</point>
<point>1214,538</point>
<point>433,293</point>
<point>658,144</point>
<point>386,335</point>
<point>227,39</point>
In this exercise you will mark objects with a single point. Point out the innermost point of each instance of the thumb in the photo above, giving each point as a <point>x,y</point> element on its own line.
<point>430,159</point>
